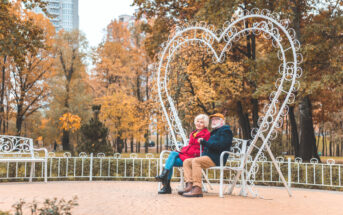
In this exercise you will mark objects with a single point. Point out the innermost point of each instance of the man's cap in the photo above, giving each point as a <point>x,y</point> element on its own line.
<point>217,115</point>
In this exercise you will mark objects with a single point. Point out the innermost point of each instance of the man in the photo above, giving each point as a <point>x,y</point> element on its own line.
<point>220,140</point>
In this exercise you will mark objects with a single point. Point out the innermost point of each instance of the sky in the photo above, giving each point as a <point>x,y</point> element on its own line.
<point>96,15</point>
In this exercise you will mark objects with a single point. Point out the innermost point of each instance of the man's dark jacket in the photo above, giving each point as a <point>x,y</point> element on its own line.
<point>220,140</point>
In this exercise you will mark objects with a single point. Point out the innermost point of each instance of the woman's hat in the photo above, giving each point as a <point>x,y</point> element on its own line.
<point>217,115</point>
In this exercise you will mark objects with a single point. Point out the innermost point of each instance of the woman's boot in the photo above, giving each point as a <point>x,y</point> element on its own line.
<point>163,176</point>
<point>166,189</point>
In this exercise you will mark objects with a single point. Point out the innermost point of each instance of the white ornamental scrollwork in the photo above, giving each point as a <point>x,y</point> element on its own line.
<point>133,155</point>
<point>67,154</point>
<point>116,155</point>
<point>83,154</point>
<point>9,144</point>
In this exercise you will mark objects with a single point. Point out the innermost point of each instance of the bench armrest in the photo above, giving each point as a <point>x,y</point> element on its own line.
<point>42,149</point>
<point>222,157</point>
<point>161,156</point>
<point>164,152</point>
<point>240,155</point>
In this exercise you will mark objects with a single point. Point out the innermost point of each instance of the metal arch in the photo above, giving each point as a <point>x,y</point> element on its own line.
<point>218,58</point>
<point>218,39</point>
<point>290,72</point>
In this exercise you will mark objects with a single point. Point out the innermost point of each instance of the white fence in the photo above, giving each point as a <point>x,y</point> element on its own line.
<point>83,167</point>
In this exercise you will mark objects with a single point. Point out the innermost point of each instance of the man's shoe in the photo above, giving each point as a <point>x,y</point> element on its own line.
<point>163,176</point>
<point>188,188</point>
<point>166,189</point>
<point>195,192</point>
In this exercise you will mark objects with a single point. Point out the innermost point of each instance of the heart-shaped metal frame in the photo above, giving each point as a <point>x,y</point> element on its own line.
<point>264,23</point>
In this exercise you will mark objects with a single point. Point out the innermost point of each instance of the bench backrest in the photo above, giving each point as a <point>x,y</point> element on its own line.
<point>10,145</point>
<point>239,148</point>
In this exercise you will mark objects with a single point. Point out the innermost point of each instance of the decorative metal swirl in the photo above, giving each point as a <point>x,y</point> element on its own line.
<point>67,154</point>
<point>83,154</point>
<point>15,144</point>
<point>149,155</point>
<point>117,155</point>
<point>133,155</point>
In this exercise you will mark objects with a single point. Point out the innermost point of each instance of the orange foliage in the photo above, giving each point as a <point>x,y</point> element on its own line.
<point>70,122</point>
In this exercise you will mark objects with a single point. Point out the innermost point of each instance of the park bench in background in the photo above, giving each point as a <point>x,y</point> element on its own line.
<point>20,149</point>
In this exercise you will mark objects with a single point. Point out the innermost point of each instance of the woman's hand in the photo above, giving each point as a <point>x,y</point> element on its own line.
<point>200,139</point>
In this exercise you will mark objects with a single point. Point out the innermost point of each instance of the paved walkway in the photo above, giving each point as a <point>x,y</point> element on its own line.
<point>118,197</point>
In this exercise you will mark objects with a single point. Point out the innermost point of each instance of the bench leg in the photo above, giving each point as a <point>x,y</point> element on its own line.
<point>160,183</point>
<point>182,179</point>
<point>32,171</point>
<point>243,191</point>
<point>207,181</point>
<point>221,182</point>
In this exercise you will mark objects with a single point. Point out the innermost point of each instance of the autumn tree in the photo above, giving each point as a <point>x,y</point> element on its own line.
<point>29,77</point>
<point>19,34</point>
<point>123,73</point>
<point>70,85</point>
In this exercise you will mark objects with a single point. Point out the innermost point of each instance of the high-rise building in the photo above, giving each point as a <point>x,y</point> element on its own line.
<point>65,12</point>
<point>127,19</point>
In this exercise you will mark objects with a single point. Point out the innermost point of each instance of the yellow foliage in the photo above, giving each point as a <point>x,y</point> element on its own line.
<point>70,122</point>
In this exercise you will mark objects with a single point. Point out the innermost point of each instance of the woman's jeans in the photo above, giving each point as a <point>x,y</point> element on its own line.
<point>173,160</point>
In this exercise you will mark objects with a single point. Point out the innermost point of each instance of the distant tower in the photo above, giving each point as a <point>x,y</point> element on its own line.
<point>66,14</point>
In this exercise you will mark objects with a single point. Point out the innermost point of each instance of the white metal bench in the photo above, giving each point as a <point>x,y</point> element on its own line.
<point>236,154</point>
<point>20,149</point>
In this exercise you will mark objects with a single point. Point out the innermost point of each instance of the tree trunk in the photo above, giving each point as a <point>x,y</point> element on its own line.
<point>125,145</point>
<point>157,141</point>
<point>243,121</point>
<point>308,147</point>
<point>325,151</point>
<point>167,142</point>
<point>19,122</point>
<point>4,126</point>
<point>330,146</point>
<point>65,140</point>
<point>119,144</point>
<point>6,122</point>
<point>294,131</point>
<point>2,95</point>
<point>131,145</point>
<point>146,144</point>
<point>287,135</point>
<point>254,113</point>
<point>19,115</point>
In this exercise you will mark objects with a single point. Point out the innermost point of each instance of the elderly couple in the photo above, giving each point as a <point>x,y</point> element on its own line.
<point>213,144</point>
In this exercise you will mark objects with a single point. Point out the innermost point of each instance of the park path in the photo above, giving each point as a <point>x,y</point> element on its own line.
<point>124,197</point>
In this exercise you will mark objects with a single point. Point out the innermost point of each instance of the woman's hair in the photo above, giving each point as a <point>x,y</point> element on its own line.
<point>203,117</point>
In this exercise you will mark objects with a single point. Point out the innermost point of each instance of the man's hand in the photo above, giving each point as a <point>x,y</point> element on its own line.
<point>200,139</point>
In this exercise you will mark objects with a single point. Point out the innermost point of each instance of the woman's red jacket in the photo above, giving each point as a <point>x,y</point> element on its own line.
<point>193,148</point>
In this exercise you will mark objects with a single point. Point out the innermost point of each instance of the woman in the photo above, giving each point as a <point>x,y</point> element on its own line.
<point>190,151</point>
